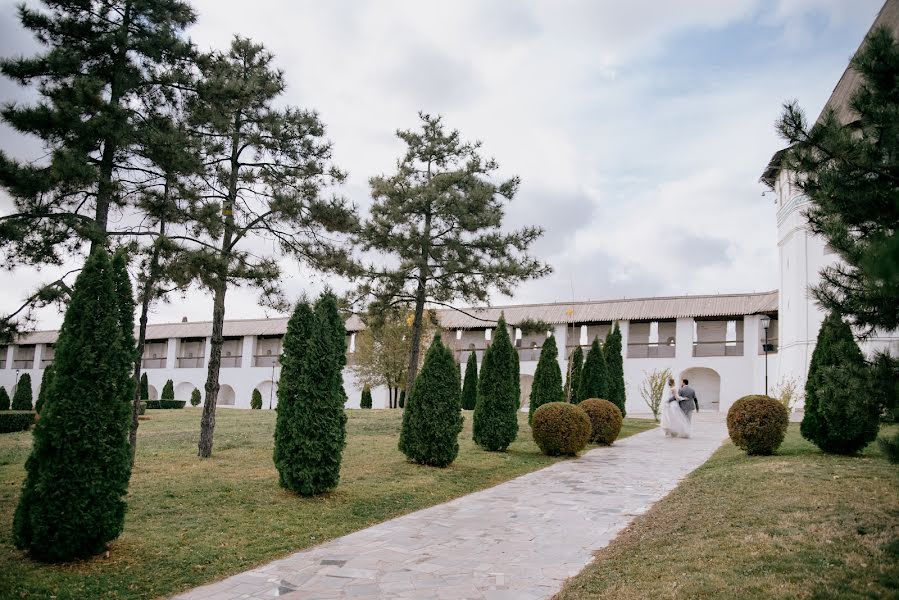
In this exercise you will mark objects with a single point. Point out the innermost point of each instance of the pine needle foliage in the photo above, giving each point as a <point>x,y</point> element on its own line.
<point>547,385</point>
<point>23,397</point>
<point>470,385</point>
<point>841,415</point>
<point>594,378</point>
<point>615,370</point>
<point>310,432</point>
<point>81,448</point>
<point>433,419</point>
<point>495,422</point>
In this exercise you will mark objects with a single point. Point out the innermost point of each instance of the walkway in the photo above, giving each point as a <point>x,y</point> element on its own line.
<point>519,540</point>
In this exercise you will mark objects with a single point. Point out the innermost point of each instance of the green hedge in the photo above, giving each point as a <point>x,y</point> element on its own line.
<point>16,420</point>
<point>166,404</point>
<point>142,407</point>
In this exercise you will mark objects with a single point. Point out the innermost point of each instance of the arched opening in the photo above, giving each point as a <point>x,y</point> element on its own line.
<point>707,384</point>
<point>226,396</point>
<point>152,393</point>
<point>183,391</point>
<point>269,391</point>
<point>526,382</point>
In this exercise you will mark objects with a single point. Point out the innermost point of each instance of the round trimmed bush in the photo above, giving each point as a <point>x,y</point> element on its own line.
<point>605,420</point>
<point>561,428</point>
<point>757,424</point>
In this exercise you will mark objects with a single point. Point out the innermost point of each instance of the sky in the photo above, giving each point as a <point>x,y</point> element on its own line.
<point>639,129</point>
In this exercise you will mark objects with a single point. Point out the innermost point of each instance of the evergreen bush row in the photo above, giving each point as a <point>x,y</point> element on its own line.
<point>165,404</point>
<point>16,420</point>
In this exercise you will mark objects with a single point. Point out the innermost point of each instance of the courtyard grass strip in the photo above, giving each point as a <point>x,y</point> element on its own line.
<point>190,522</point>
<point>799,524</point>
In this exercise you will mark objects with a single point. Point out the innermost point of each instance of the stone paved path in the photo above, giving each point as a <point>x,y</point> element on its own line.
<point>519,540</point>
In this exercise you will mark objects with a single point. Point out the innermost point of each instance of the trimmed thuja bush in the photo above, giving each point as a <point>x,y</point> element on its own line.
<point>615,370</point>
<point>605,420</point>
<point>80,450</point>
<point>365,401</point>
<point>593,377</point>
<point>841,413</point>
<point>22,399</point>
<point>4,398</point>
<point>144,387</point>
<point>46,382</point>
<point>432,420</point>
<point>757,424</point>
<point>168,391</point>
<point>195,397</point>
<point>573,377</point>
<point>402,402</point>
<point>547,385</point>
<point>256,400</point>
<point>890,447</point>
<point>560,428</point>
<point>470,385</point>
<point>310,431</point>
<point>495,422</point>
<point>12,421</point>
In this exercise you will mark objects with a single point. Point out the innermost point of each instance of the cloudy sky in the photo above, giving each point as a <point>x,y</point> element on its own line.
<point>639,129</point>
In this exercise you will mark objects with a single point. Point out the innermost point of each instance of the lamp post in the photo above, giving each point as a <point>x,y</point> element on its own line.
<point>16,386</point>
<point>765,322</point>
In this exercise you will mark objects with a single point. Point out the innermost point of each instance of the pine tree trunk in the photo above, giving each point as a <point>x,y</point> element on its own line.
<point>420,297</point>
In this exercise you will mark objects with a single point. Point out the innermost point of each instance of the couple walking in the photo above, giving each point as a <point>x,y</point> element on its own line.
<point>677,409</point>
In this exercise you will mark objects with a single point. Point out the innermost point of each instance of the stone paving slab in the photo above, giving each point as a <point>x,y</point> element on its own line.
<point>519,540</point>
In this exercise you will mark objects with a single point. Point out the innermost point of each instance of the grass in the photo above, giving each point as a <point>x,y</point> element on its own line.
<point>191,522</point>
<point>801,524</point>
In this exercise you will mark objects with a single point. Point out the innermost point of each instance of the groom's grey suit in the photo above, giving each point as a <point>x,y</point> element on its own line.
<point>690,403</point>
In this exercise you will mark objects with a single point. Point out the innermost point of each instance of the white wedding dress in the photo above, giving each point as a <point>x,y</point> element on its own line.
<point>674,422</point>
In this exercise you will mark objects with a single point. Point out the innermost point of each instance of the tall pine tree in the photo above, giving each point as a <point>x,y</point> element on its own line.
<point>441,217</point>
<point>573,377</point>
<point>547,385</point>
<point>495,415</point>
<point>841,416</point>
<point>433,419</point>
<point>23,397</point>
<point>615,370</point>
<point>80,448</point>
<point>470,385</point>
<point>594,379</point>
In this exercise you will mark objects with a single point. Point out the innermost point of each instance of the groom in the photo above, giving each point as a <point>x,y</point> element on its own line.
<point>689,402</point>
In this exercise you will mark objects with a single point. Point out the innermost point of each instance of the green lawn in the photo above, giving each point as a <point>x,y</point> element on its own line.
<point>190,521</point>
<point>800,524</point>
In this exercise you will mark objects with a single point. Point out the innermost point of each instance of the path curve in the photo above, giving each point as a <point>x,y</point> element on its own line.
<point>518,540</point>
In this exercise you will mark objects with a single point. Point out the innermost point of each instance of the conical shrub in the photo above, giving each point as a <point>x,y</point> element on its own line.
<point>433,419</point>
<point>22,399</point>
<point>615,370</point>
<point>841,413</point>
<point>470,386</point>
<point>495,420</point>
<point>81,451</point>
<point>256,400</point>
<point>402,402</point>
<point>547,385</point>
<point>195,397</point>
<point>573,377</point>
<point>46,382</point>
<point>144,387</point>
<point>365,401</point>
<point>310,432</point>
<point>168,391</point>
<point>594,382</point>
<point>4,398</point>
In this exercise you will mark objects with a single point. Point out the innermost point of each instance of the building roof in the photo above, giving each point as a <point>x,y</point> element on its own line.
<point>850,80</point>
<point>555,313</point>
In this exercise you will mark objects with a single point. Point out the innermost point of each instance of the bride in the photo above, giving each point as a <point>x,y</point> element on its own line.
<point>674,422</point>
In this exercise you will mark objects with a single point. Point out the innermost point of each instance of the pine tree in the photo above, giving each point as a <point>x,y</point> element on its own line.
<point>594,379</point>
<point>615,370</point>
<point>841,416</point>
<point>470,387</point>
<point>80,448</point>
<point>433,419</point>
<point>272,166</point>
<point>4,398</point>
<point>310,432</point>
<point>573,379</point>
<point>22,399</point>
<point>547,385</point>
<point>365,401</point>
<point>441,217</point>
<point>256,400</point>
<point>168,390</point>
<point>144,387</point>
<point>846,163</point>
<point>195,398</point>
<point>495,419</point>
<point>46,383</point>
